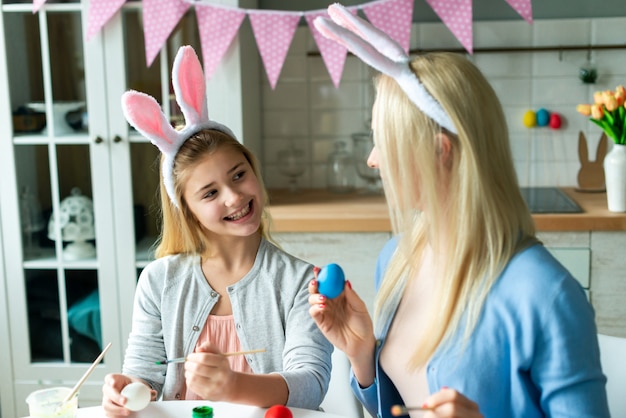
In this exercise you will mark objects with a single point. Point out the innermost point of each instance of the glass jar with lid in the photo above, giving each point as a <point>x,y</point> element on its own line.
<point>340,171</point>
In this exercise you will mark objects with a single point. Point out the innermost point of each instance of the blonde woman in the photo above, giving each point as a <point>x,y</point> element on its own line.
<point>473,316</point>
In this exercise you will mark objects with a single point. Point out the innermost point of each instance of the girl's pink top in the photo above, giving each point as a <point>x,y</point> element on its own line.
<point>220,332</point>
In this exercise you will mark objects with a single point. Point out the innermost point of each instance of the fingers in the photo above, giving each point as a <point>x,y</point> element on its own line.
<point>316,271</point>
<point>313,286</point>
<point>207,347</point>
<point>209,375</point>
<point>112,400</point>
<point>451,403</point>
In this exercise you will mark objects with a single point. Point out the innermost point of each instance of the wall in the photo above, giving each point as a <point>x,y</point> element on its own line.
<point>483,9</point>
<point>306,111</point>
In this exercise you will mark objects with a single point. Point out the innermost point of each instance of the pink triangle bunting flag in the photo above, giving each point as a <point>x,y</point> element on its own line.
<point>37,5</point>
<point>524,8</point>
<point>100,12</point>
<point>273,32</point>
<point>394,17</point>
<point>160,17</point>
<point>457,16</point>
<point>218,27</point>
<point>333,54</point>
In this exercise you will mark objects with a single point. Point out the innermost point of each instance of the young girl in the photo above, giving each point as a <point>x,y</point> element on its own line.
<point>473,316</point>
<point>218,285</point>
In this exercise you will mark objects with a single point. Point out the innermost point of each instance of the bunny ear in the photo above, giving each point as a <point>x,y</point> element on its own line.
<point>383,43</point>
<point>144,113</point>
<point>190,86</point>
<point>370,55</point>
<point>384,54</point>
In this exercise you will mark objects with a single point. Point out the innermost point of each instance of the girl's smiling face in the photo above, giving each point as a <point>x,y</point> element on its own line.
<point>224,194</point>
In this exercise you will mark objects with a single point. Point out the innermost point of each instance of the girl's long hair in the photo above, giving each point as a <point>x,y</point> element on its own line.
<point>181,232</point>
<point>468,209</point>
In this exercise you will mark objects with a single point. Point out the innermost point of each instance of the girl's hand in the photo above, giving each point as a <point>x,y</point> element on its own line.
<point>346,323</point>
<point>208,374</point>
<point>449,403</point>
<point>112,400</point>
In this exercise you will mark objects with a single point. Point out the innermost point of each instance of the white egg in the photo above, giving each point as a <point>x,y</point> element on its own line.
<point>137,396</point>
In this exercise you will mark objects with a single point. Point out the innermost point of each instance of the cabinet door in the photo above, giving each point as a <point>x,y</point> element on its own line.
<point>134,160</point>
<point>60,272</point>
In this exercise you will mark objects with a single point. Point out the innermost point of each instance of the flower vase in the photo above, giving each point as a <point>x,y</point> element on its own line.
<point>615,177</point>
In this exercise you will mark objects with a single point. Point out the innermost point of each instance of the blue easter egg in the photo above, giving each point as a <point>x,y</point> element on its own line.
<point>543,117</point>
<point>331,280</point>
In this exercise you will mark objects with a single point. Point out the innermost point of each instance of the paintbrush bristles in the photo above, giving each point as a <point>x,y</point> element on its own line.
<point>401,410</point>
<point>233,353</point>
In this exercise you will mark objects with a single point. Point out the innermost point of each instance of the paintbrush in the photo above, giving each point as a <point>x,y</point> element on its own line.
<point>86,375</point>
<point>402,410</point>
<point>233,353</point>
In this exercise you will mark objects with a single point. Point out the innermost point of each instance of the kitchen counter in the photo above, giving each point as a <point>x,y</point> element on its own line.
<point>316,210</point>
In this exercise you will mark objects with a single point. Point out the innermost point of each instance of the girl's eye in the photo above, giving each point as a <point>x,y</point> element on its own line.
<point>239,175</point>
<point>209,194</point>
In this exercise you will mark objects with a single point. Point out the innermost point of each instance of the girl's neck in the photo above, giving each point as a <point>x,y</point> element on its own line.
<point>232,254</point>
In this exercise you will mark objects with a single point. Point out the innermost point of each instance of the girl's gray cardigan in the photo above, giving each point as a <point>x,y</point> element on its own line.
<point>270,309</point>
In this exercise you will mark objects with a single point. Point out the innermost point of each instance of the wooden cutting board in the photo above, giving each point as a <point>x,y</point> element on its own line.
<point>591,173</point>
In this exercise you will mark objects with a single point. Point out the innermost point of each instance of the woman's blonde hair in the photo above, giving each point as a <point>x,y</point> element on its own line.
<point>471,211</point>
<point>181,232</point>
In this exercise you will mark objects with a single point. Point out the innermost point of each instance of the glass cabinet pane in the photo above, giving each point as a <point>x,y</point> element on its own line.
<point>146,203</point>
<point>47,64</point>
<point>76,219</point>
<point>44,316</point>
<point>70,304</point>
<point>83,315</point>
<point>33,174</point>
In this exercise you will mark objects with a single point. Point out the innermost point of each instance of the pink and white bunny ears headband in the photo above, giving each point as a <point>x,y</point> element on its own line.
<point>144,113</point>
<point>384,54</point>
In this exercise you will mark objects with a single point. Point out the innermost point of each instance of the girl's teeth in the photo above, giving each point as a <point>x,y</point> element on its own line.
<point>241,214</point>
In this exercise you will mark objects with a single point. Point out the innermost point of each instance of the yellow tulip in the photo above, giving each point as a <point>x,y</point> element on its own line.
<point>620,89</point>
<point>584,109</point>
<point>610,101</point>
<point>620,96</point>
<point>598,97</point>
<point>596,111</point>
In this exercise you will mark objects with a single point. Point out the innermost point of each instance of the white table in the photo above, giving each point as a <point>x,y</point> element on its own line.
<point>182,409</point>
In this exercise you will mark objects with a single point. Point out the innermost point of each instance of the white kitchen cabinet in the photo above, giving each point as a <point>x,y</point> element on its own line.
<point>45,58</point>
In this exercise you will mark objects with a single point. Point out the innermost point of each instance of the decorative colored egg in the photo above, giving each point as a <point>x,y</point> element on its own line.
<point>543,117</point>
<point>278,411</point>
<point>137,396</point>
<point>530,119</point>
<point>555,121</point>
<point>331,280</point>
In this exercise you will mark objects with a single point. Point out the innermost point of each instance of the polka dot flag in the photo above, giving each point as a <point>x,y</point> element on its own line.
<point>218,27</point>
<point>273,32</point>
<point>37,5</point>
<point>100,12</point>
<point>394,17</point>
<point>333,53</point>
<point>274,29</point>
<point>524,8</point>
<point>457,16</point>
<point>159,19</point>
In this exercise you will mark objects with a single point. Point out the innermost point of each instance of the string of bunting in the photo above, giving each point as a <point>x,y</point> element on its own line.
<point>274,29</point>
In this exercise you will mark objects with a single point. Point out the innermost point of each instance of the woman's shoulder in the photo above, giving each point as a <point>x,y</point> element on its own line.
<point>535,273</point>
